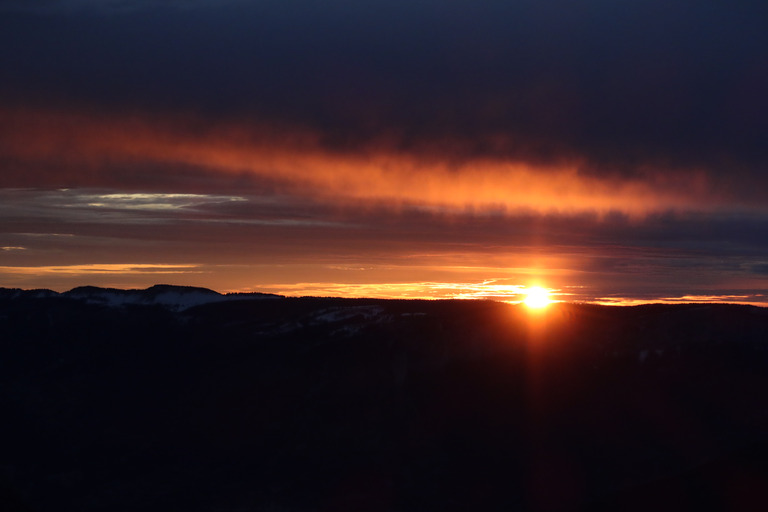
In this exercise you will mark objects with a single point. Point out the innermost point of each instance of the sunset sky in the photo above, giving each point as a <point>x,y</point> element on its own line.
<point>614,152</point>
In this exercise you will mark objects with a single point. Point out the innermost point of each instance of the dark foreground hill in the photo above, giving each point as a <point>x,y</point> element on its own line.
<point>372,405</point>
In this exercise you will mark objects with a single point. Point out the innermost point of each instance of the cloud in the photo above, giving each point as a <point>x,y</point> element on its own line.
<point>293,246</point>
<point>148,201</point>
<point>86,148</point>
<point>79,7</point>
<point>119,269</point>
<point>617,92</point>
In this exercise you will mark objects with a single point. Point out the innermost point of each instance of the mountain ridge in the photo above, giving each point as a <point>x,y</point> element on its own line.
<point>174,297</point>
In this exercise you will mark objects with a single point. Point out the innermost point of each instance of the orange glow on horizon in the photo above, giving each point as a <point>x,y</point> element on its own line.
<point>143,275</point>
<point>683,299</point>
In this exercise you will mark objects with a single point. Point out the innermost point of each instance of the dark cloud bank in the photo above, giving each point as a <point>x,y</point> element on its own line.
<point>663,83</point>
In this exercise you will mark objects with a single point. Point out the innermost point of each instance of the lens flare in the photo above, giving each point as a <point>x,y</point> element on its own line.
<point>537,298</point>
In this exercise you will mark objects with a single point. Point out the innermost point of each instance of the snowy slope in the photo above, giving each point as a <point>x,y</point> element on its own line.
<point>176,298</point>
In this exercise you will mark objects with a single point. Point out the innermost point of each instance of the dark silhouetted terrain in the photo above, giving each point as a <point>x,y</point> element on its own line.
<point>164,404</point>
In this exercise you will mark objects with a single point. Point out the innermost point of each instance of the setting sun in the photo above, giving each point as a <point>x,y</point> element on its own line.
<point>537,297</point>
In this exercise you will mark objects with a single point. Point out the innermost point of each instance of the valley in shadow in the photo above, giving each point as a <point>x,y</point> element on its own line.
<point>266,403</point>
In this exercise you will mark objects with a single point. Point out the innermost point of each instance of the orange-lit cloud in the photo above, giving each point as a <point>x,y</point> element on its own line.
<point>755,299</point>
<point>107,268</point>
<point>410,290</point>
<point>87,148</point>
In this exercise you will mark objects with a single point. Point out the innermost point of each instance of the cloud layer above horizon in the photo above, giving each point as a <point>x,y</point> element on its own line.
<point>618,150</point>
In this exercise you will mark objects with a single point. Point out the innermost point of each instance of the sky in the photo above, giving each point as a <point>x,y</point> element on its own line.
<point>612,152</point>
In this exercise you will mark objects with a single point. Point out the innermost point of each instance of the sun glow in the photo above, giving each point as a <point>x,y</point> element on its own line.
<point>537,298</point>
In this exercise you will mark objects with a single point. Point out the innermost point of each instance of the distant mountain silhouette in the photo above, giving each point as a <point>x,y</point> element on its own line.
<point>117,400</point>
<point>18,293</point>
<point>174,297</point>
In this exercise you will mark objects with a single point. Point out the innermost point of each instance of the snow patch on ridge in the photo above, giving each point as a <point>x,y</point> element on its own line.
<point>345,313</point>
<point>175,298</point>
